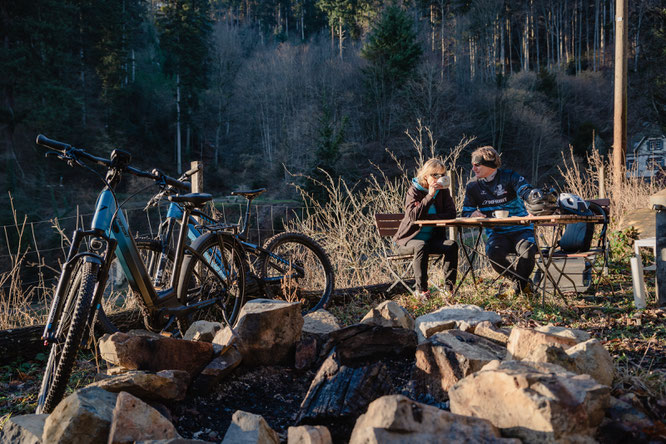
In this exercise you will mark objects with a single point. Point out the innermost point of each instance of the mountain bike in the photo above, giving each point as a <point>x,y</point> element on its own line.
<point>200,280</point>
<point>289,266</point>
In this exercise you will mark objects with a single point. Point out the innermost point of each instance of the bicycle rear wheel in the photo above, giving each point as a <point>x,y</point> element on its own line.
<point>214,271</point>
<point>117,292</point>
<point>297,269</point>
<point>70,329</point>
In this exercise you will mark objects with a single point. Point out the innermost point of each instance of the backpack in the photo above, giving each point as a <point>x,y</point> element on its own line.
<point>576,237</point>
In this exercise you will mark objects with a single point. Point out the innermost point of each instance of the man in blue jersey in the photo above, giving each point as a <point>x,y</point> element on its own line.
<point>501,189</point>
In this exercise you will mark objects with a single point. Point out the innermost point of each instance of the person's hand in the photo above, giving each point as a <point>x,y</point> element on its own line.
<point>434,187</point>
<point>477,213</point>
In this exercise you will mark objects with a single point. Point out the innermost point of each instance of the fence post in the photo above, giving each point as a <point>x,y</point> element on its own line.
<point>453,231</point>
<point>197,178</point>
<point>602,181</point>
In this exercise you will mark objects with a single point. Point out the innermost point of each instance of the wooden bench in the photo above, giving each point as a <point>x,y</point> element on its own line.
<point>387,225</point>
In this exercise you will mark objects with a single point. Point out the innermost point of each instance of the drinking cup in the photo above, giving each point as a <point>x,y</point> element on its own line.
<point>444,181</point>
<point>500,213</point>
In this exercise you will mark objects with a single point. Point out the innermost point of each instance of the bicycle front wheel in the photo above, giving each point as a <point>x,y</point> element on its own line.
<point>296,268</point>
<point>213,271</point>
<point>70,329</point>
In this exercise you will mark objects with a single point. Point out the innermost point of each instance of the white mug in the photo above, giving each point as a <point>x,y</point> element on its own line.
<point>500,213</point>
<point>444,181</point>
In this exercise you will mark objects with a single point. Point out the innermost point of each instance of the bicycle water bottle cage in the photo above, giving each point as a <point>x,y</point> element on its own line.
<point>194,199</point>
<point>120,159</point>
<point>251,194</point>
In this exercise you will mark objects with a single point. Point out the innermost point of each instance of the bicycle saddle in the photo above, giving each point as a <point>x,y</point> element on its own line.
<point>251,194</point>
<point>196,199</point>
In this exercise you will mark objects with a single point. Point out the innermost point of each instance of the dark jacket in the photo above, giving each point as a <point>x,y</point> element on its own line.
<point>506,191</point>
<point>417,203</point>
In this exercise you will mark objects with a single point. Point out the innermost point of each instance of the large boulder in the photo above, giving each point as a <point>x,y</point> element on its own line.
<point>447,357</point>
<point>84,417</point>
<point>397,419</point>
<point>155,353</point>
<point>389,314</point>
<point>523,341</point>
<point>165,385</point>
<point>267,331</point>
<point>134,420</point>
<point>536,402</point>
<point>248,428</point>
<point>23,429</point>
<point>459,316</point>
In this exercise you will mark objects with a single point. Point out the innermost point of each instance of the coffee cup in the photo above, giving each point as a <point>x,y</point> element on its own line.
<point>500,213</point>
<point>444,181</point>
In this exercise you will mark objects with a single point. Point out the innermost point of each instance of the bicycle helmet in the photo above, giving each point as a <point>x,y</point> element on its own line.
<point>572,204</point>
<point>541,202</point>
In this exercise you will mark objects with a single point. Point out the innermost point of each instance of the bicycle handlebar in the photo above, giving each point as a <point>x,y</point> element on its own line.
<point>68,152</point>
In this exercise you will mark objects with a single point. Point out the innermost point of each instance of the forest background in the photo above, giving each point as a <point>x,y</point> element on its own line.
<point>261,89</point>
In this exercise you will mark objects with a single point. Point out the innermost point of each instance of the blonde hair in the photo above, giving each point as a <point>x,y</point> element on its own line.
<point>488,153</point>
<point>431,166</point>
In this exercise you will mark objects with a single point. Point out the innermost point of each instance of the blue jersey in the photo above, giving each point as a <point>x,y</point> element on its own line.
<point>506,191</point>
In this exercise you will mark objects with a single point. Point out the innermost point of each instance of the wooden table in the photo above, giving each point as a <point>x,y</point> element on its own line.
<point>557,221</point>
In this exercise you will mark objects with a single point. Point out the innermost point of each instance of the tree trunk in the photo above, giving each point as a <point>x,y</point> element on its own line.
<point>179,165</point>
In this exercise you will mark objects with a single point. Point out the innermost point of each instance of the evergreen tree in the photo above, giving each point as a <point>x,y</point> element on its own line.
<point>393,52</point>
<point>185,28</point>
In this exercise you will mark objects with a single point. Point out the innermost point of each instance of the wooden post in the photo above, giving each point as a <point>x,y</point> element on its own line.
<point>620,108</point>
<point>197,178</point>
<point>602,181</point>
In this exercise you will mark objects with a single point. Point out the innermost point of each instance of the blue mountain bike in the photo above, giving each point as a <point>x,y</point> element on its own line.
<point>201,280</point>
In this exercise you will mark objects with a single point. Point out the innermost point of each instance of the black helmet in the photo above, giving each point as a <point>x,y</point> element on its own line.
<point>573,204</point>
<point>541,202</point>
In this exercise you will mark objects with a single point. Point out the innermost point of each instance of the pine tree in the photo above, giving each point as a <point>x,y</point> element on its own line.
<point>393,53</point>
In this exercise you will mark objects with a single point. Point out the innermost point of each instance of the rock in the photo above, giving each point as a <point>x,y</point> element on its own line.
<point>309,435</point>
<point>248,428</point>
<point>553,355</point>
<point>447,357</point>
<point>340,393</point>
<point>217,370</point>
<point>564,332</point>
<point>523,340</point>
<point>203,331</point>
<point>23,429</point>
<point>267,331</point>
<point>592,358</point>
<point>320,322</point>
<point>488,330</point>
<point>155,354</point>
<point>306,352</point>
<point>134,420</point>
<point>84,417</point>
<point>166,385</point>
<point>397,419</point>
<point>459,316</point>
<point>360,342</point>
<point>389,314</point>
<point>536,402</point>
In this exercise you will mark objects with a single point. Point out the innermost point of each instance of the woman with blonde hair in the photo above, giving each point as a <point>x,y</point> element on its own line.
<point>428,198</point>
